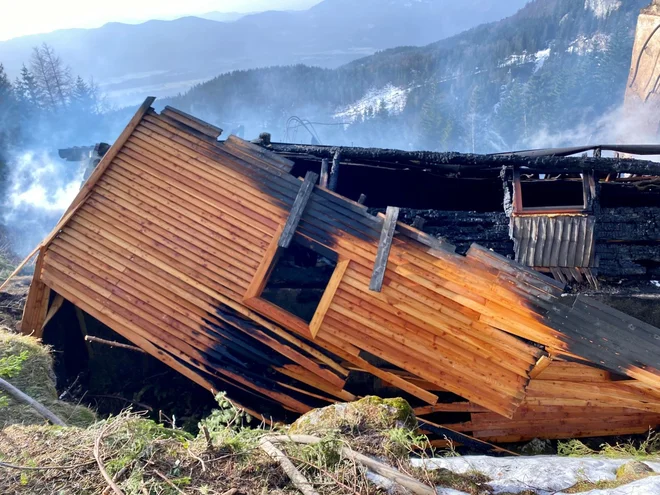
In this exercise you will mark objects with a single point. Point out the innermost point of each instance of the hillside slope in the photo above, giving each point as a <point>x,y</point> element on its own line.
<point>554,66</point>
<point>168,56</point>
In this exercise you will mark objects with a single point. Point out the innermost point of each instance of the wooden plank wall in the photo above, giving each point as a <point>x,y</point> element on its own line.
<point>174,234</point>
<point>570,400</point>
<point>164,249</point>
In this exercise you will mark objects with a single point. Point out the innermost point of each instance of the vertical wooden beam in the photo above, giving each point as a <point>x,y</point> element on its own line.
<point>36,306</point>
<point>325,164</point>
<point>363,199</point>
<point>384,247</point>
<point>517,191</point>
<point>299,205</point>
<point>52,311</point>
<point>334,172</point>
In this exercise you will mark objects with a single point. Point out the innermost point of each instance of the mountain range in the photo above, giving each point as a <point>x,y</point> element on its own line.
<point>551,74</point>
<point>165,57</point>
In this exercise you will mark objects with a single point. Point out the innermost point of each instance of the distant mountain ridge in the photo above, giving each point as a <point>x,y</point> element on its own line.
<point>544,76</point>
<point>166,57</point>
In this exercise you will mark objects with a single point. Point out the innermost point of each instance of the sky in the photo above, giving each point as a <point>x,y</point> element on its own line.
<point>23,17</point>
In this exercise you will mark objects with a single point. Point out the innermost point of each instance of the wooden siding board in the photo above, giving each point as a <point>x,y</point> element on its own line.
<point>195,218</point>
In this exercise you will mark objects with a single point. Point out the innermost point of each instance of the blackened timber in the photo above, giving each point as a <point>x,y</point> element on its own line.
<point>468,165</point>
<point>323,181</point>
<point>334,171</point>
<point>384,248</point>
<point>299,205</point>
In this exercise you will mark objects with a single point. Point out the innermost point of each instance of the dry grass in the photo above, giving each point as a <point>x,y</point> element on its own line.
<point>138,453</point>
<point>28,365</point>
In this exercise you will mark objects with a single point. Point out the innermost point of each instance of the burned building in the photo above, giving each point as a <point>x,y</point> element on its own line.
<point>296,276</point>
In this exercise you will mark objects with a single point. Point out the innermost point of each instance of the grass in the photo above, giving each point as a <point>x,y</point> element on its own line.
<point>586,486</point>
<point>27,364</point>
<point>648,448</point>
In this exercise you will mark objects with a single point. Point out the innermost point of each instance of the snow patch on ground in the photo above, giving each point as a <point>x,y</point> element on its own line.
<point>523,58</point>
<point>583,45</point>
<point>390,97</point>
<point>602,8</point>
<point>541,57</point>
<point>656,283</point>
<point>544,474</point>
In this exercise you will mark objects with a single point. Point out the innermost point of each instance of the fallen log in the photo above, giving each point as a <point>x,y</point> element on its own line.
<point>26,399</point>
<point>292,472</point>
<point>377,467</point>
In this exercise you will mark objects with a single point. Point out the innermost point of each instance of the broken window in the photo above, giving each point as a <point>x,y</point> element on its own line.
<point>298,279</point>
<point>295,286</point>
<point>546,194</point>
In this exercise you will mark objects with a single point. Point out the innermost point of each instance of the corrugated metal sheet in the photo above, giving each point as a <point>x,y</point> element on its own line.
<point>561,241</point>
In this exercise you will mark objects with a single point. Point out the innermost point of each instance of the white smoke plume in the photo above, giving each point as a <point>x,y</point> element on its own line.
<point>41,187</point>
<point>623,125</point>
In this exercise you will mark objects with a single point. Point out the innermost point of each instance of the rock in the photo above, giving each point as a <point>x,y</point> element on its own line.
<point>537,447</point>
<point>633,469</point>
<point>370,414</point>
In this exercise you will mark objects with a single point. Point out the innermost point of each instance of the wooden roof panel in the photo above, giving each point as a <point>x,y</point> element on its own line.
<point>174,230</point>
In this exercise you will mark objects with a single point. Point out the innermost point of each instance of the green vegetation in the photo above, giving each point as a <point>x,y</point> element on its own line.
<point>26,364</point>
<point>648,448</point>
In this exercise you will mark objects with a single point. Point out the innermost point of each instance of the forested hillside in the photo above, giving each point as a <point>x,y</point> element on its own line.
<point>545,76</point>
<point>162,57</point>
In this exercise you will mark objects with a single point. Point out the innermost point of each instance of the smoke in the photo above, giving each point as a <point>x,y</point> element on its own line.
<point>41,187</point>
<point>624,125</point>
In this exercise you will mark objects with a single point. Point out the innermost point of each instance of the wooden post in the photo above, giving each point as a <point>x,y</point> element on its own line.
<point>334,172</point>
<point>384,247</point>
<point>36,305</point>
<point>299,205</point>
<point>325,164</point>
<point>363,199</point>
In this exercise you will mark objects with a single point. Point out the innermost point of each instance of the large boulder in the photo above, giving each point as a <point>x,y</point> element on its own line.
<point>633,470</point>
<point>367,415</point>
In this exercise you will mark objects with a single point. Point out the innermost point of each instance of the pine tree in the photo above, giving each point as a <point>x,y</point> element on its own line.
<point>82,97</point>
<point>28,93</point>
<point>6,90</point>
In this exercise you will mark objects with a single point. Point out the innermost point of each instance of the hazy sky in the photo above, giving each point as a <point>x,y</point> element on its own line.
<point>22,17</point>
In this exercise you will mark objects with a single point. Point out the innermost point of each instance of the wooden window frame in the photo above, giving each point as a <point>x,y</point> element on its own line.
<point>588,195</point>
<point>253,298</point>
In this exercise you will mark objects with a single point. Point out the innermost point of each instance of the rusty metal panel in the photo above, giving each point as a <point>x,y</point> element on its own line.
<point>557,241</point>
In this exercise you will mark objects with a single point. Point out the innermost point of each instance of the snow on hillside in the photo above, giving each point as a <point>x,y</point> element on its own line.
<point>583,45</point>
<point>390,97</point>
<point>537,58</point>
<point>602,8</point>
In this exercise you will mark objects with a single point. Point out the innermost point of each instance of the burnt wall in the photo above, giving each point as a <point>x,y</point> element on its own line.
<point>628,242</point>
<point>463,228</point>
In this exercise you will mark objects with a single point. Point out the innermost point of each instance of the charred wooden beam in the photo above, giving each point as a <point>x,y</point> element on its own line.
<point>384,247</point>
<point>306,190</point>
<point>334,171</point>
<point>323,182</point>
<point>545,161</point>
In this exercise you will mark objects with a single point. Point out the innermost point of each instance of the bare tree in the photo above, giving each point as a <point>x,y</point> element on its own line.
<point>53,78</point>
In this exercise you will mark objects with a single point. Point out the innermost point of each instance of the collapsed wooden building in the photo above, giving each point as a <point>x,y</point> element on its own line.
<point>247,268</point>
